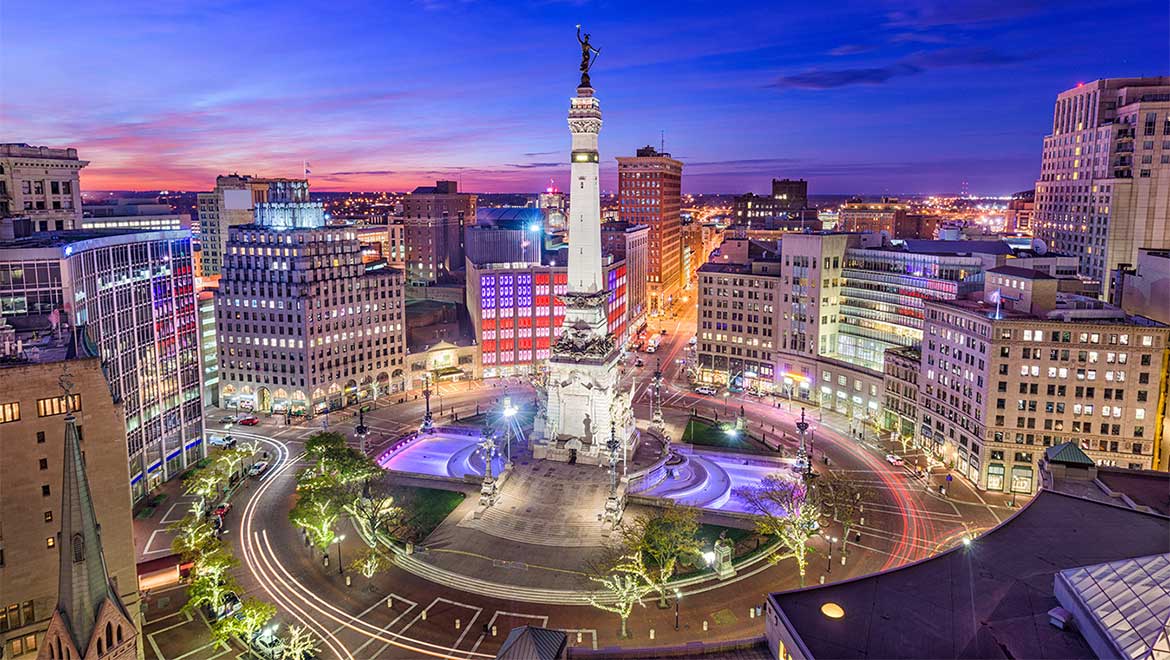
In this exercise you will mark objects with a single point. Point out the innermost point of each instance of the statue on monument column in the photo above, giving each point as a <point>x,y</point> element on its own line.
<point>588,56</point>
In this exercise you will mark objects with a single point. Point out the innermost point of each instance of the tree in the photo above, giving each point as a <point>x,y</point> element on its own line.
<point>843,498</point>
<point>375,510</point>
<point>319,445</point>
<point>228,460</point>
<point>625,579</point>
<point>215,562</point>
<point>203,483</point>
<point>664,539</point>
<point>194,535</point>
<point>317,512</point>
<point>207,590</point>
<point>787,511</point>
<point>245,623</point>
<point>370,563</point>
<point>300,643</point>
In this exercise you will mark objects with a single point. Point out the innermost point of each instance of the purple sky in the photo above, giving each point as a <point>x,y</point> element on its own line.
<point>856,97</point>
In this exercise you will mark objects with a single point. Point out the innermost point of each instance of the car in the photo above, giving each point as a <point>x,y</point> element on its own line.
<point>893,459</point>
<point>225,441</point>
<point>227,419</point>
<point>222,509</point>
<point>705,390</point>
<point>639,362</point>
<point>230,604</point>
<point>268,645</point>
<point>249,421</point>
<point>258,468</point>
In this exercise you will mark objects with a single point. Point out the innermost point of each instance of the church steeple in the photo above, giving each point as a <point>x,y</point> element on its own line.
<point>90,619</point>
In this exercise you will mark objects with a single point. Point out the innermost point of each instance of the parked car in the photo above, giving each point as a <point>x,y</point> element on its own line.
<point>894,460</point>
<point>250,421</point>
<point>268,645</point>
<point>258,468</point>
<point>229,605</point>
<point>225,441</point>
<point>705,390</point>
<point>222,509</point>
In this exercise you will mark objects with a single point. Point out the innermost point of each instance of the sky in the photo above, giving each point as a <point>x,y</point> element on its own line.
<point>905,96</point>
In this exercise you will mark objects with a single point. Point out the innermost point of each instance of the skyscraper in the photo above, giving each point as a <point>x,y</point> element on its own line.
<point>650,193</point>
<point>1104,187</point>
<point>303,325</point>
<point>233,203</point>
<point>435,217</point>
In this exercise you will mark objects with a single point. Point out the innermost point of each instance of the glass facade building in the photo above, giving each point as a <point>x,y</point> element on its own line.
<point>133,292</point>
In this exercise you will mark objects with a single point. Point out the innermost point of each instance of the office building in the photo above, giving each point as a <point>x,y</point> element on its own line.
<point>40,477</point>
<point>303,325</point>
<point>130,213</point>
<point>900,384</point>
<point>1104,186</point>
<point>1029,367</point>
<point>891,216</point>
<point>42,184</point>
<point>786,209</point>
<point>517,311</point>
<point>1020,210</point>
<point>133,293</point>
<point>435,217</point>
<point>505,234</point>
<point>233,203</point>
<point>1144,289</point>
<point>440,344</point>
<point>1080,572</point>
<point>622,241</point>
<point>208,346</point>
<point>650,193</point>
<point>554,206</point>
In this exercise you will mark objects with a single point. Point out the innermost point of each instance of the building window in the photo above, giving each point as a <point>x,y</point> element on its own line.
<point>50,542</point>
<point>43,463</point>
<point>9,412</point>
<point>45,491</point>
<point>56,405</point>
<point>48,516</point>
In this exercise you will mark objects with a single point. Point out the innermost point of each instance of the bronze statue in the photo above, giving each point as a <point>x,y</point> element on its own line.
<point>588,56</point>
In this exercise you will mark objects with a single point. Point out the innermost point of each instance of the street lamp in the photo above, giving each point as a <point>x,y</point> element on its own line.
<point>677,598</point>
<point>361,431</point>
<point>340,566</point>
<point>831,540</point>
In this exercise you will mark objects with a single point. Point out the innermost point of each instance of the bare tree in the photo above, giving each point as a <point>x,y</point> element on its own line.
<point>788,512</point>
<point>664,539</point>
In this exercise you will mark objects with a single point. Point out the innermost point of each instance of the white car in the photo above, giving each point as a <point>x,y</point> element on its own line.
<point>225,441</point>
<point>259,468</point>
<point>706,390</point>
<point>894,460</point>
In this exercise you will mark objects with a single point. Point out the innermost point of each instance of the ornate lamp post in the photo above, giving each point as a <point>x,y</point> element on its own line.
<point>361,431</point>
<point>802,457</point>
<point>487,491</point>
<point>428,423</point>
<point>658,422</point>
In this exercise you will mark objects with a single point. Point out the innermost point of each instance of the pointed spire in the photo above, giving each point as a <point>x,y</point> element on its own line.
<point>83,581</point>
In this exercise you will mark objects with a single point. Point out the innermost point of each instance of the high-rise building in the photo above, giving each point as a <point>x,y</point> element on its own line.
<point>435,217</point>
<point>553,205</point>
<point>650,193</point>
<point>42,184</point>
<point>790,194</point>
<point>41,479</point>
<point>208,346</point>
<point>1104,186</point>
<point>858,216</point>
<point>133,293</point>
<point>233,203</point>
<point>1028,367</point>
<point>631,244</point>
<point>303,325</point>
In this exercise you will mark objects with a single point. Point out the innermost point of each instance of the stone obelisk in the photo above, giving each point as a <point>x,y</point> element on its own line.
<point>583,393</point>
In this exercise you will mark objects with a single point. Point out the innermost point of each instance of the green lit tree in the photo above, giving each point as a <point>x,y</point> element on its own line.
<point>787,511</point>
<point>203,483</point>
<point>370,563</point>
<point>245,623</point>
<point>317,513</point>
<point>664,539</point>
<point>194,535</point>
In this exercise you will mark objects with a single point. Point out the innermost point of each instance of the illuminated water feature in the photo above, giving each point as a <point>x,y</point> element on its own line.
<point>445,454</point>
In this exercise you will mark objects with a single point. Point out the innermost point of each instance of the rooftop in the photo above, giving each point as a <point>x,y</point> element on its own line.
<point>986,600</point>
<point>1016,271</point>
<point>59,239</point>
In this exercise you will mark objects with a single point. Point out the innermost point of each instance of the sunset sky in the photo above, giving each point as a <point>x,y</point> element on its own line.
<point>856,97</point>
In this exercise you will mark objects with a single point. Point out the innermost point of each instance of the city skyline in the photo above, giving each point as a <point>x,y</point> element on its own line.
<point>186,92</point>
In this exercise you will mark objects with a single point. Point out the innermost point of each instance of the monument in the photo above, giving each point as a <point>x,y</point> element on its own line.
<point>582,397</point>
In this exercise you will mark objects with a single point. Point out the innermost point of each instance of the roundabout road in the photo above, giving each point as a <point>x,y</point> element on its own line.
<point>397,614</point>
